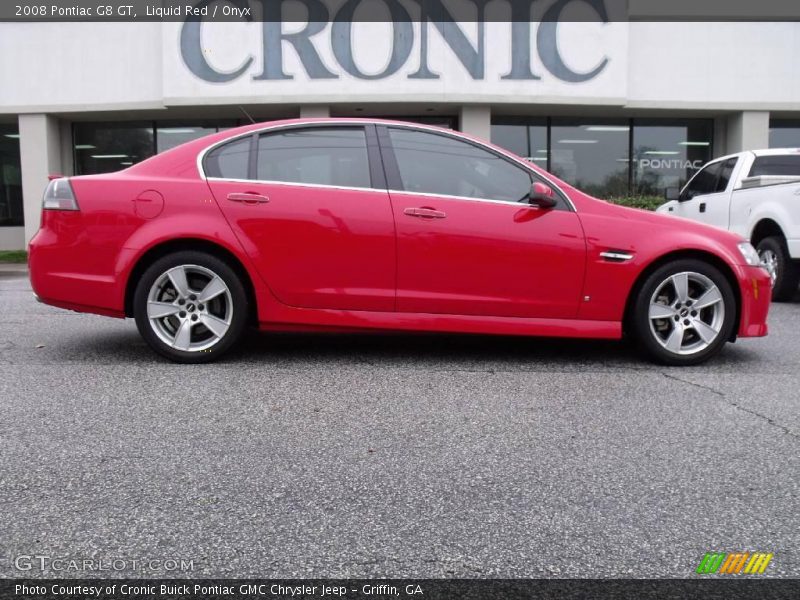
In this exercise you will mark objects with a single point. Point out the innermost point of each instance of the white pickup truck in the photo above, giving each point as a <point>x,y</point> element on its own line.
<point>757,195</point>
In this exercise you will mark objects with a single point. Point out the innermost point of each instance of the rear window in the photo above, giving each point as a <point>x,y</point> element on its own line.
<point>781,164</point>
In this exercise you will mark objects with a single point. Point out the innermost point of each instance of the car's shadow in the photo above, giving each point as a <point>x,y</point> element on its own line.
<point>126,346</point>
<point>459,351</point>
<point>377,348</point>
<point>426,351</point>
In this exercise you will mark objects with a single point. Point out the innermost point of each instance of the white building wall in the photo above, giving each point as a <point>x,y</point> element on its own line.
<point>12,238</point>
<point>476,120</point>
<point>733,66</point>
<point>747,130</point>
<point>40,156</point>
<point>59,67</point>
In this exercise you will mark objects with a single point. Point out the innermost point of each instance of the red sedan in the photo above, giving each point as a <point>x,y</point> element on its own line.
<point>353,224</point>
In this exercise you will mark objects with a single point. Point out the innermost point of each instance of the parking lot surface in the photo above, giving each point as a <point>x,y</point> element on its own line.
<point>392,455</point>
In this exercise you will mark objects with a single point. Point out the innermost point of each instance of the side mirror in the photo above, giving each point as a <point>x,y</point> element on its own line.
<point>672,193</point>
<point>541,195</point>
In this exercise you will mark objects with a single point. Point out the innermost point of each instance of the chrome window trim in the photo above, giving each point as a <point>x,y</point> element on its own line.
<point>296,184</point>
<point>362,123</point>
<point>468,198</point>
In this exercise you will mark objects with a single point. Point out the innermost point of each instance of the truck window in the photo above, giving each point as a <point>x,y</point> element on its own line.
<point>778,164</point>
<point>705,182</point>
<point>725,174</point>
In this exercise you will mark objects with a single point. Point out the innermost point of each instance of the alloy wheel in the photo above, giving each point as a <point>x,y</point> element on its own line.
<point>686,313</point>
<point>189,307</point>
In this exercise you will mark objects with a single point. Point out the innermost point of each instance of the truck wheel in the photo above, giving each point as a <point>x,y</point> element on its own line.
<point>190,307</point>
<point>684,313</point>
<point>784,273</point>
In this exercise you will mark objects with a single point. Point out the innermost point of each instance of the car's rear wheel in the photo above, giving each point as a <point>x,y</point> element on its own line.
<point>190,307</point>
<point>784,273</point>
<point>684,312</point>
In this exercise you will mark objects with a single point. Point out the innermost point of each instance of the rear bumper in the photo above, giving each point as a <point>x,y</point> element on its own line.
<point>55,281</point>
<point>756,293</point>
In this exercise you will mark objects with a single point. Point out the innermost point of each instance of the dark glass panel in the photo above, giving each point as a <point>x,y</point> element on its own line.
<point>319,156</point>
<point>522,136</point>
<point>592,155</point>
<point>437,164</point>
<point>107,147</point>
<point>784,133</point>
<point>668,152</point>
<point>10,178</point>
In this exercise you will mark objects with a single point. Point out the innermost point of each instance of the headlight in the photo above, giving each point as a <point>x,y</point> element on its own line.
<point>749,253</point>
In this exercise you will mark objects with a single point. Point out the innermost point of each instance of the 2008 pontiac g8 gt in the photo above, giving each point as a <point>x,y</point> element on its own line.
<point>356,224</point>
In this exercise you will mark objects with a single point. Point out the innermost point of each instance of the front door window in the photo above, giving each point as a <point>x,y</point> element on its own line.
<point>430,163</point>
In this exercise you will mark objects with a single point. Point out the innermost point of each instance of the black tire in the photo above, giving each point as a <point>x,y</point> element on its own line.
<point>648,338</point>
<point>198,268</point>
<point>787,275</point>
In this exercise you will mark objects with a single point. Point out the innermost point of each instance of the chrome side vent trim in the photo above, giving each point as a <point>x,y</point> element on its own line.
<point>616,255</point>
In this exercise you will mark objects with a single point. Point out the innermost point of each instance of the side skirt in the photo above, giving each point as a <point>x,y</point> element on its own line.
<point>304,319</point>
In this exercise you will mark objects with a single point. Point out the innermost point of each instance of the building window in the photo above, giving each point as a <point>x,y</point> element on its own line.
<point>784,133</point>
<point>174,133</point>
<point>611,157</point>
<point>591,155</point>
<point>107,147</point>
<point>524,137</point>
<point>667,153</point>
<point>10,178</point>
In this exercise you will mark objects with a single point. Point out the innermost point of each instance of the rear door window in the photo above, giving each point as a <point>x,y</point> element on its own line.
<point>335,156</point>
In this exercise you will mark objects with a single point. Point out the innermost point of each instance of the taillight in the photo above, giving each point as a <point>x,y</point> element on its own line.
<point>59,196</point>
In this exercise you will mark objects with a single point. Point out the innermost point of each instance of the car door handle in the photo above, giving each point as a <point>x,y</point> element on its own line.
<point>247,197</point>
<point>702,207</point>
<point>425,213</point>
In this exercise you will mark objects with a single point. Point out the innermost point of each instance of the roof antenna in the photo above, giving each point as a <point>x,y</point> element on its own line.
<point>247,114</point>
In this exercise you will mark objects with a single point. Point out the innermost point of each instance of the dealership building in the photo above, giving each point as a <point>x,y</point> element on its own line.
<point>616,108</point>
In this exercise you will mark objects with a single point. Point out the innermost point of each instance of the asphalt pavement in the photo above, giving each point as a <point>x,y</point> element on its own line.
<point>391,455</point>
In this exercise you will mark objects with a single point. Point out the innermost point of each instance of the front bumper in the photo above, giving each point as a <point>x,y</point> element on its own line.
<point>756,292</point>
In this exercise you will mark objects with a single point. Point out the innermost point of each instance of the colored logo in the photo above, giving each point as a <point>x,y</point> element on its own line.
<point>732,563</point>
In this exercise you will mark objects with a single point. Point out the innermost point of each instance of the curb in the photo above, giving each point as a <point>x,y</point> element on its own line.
<point>13,268</point>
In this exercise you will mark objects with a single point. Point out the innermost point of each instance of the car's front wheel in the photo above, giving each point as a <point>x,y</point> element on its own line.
<point>684,312</point>
<point>190,307</point>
